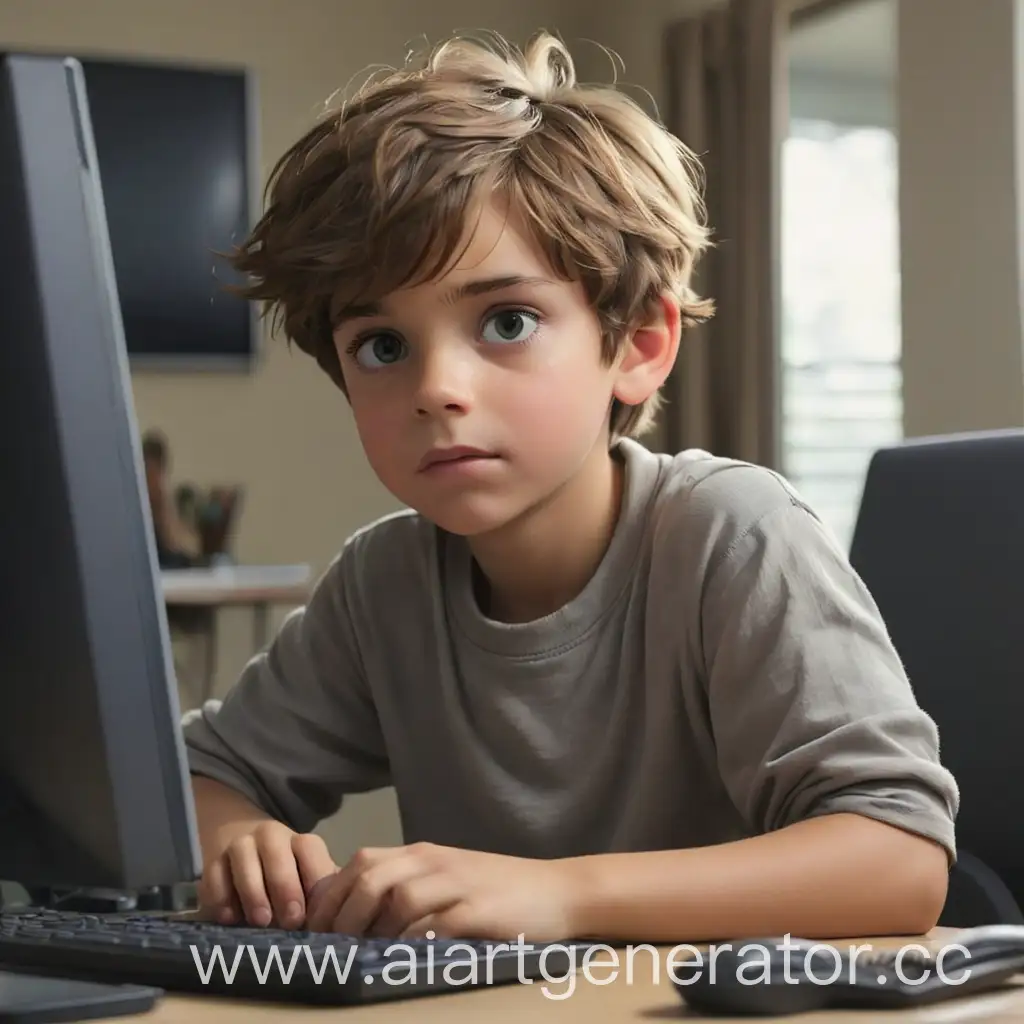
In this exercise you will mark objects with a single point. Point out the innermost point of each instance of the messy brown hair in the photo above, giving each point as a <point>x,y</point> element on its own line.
<point>377,195</point>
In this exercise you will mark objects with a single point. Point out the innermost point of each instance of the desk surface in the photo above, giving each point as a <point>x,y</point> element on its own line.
<point>241,584</point>
<point>647,995</point>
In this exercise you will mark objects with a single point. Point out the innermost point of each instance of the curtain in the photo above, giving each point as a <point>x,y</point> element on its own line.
<point>727,101</point>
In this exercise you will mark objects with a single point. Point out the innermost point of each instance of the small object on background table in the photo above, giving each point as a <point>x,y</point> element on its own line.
<point>212,515</point>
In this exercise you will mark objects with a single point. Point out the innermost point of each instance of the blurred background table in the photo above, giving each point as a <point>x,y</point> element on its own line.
<point>194,596</point>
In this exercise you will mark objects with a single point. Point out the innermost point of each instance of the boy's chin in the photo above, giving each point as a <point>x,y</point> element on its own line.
<point>471,518</point>
<point>468,524</point>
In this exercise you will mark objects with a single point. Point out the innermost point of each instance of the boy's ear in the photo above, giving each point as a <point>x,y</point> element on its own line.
<point>649,354</point>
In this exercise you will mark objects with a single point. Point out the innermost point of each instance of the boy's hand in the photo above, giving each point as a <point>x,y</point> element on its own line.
<point>406,891</point>
<point>263,877</point>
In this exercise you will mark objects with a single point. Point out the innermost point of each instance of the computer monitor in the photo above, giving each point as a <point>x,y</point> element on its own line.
<point>94,786</point>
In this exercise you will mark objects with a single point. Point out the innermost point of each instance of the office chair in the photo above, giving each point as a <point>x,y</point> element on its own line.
<point>939,542</point>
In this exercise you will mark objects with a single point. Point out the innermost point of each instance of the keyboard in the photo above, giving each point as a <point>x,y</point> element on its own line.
<point>189,955</point>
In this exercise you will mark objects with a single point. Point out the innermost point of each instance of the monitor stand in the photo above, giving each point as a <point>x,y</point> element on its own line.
<point>169,898</point>
<point>87,901</point>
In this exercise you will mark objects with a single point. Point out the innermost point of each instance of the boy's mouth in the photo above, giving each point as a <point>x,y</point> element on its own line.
<point>457,454</point>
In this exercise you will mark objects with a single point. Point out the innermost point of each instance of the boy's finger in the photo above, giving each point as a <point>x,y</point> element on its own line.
<point>323,905</point>
<point>281,879</point>
<point>216,896</point>
<point>418,898</point>
<point>323,902</point>
<point>247,880</point>
<point>374,895</point>
<point>313,859</point>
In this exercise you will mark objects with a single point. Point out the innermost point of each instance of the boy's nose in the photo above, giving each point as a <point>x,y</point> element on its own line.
<point>444,383</point>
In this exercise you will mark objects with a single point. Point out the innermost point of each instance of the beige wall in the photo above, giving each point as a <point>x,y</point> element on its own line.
<point>960,231</point>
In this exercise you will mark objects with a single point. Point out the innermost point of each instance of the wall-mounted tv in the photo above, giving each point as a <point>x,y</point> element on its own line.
<point>175,151</point>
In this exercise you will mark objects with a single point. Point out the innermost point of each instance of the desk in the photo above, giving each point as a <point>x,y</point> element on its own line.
<point>646,999</point>
<point>200,593</point>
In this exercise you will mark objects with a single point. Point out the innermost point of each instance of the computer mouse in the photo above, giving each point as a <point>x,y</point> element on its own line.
<point>785,975</point>
<point>755,977</point>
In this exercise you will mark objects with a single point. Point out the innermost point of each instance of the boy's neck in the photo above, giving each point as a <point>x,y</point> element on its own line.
<point>543,560</point>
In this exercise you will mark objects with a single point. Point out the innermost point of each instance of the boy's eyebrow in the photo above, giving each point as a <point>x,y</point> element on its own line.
<point>492,284</point>
<point>358,311</point>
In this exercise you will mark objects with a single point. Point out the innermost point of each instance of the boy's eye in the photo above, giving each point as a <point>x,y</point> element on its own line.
<point>379,350</point>
<point>511,325</point>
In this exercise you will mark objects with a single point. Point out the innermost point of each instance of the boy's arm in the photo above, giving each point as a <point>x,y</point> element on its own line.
<point>823,749</point>
<point>830,877</point>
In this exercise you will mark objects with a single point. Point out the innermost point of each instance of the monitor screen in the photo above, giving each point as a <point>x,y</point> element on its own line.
<point>173,148</point>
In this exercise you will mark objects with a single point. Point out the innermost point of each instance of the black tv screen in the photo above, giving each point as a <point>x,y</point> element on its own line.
<point>173,145</point>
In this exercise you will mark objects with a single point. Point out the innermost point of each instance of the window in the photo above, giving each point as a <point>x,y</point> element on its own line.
<point>841,383</point>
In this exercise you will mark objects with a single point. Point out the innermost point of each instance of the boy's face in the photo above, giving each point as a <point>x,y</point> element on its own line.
<point>498,355</point>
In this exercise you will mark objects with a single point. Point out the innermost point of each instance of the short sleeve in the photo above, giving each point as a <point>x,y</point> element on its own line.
<point>298,730</point>
<point>811,710</point>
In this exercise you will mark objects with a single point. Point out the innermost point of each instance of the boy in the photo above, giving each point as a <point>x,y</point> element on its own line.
<point>619,694</point>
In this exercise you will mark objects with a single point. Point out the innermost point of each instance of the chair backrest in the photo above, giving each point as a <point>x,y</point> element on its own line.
<point>939,541</point>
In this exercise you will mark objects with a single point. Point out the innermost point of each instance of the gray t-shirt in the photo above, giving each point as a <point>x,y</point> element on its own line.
<point>724,673</point>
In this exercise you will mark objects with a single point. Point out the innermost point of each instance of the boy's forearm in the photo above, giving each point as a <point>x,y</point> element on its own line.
<point>836,876</point>
<point>222,813</point>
